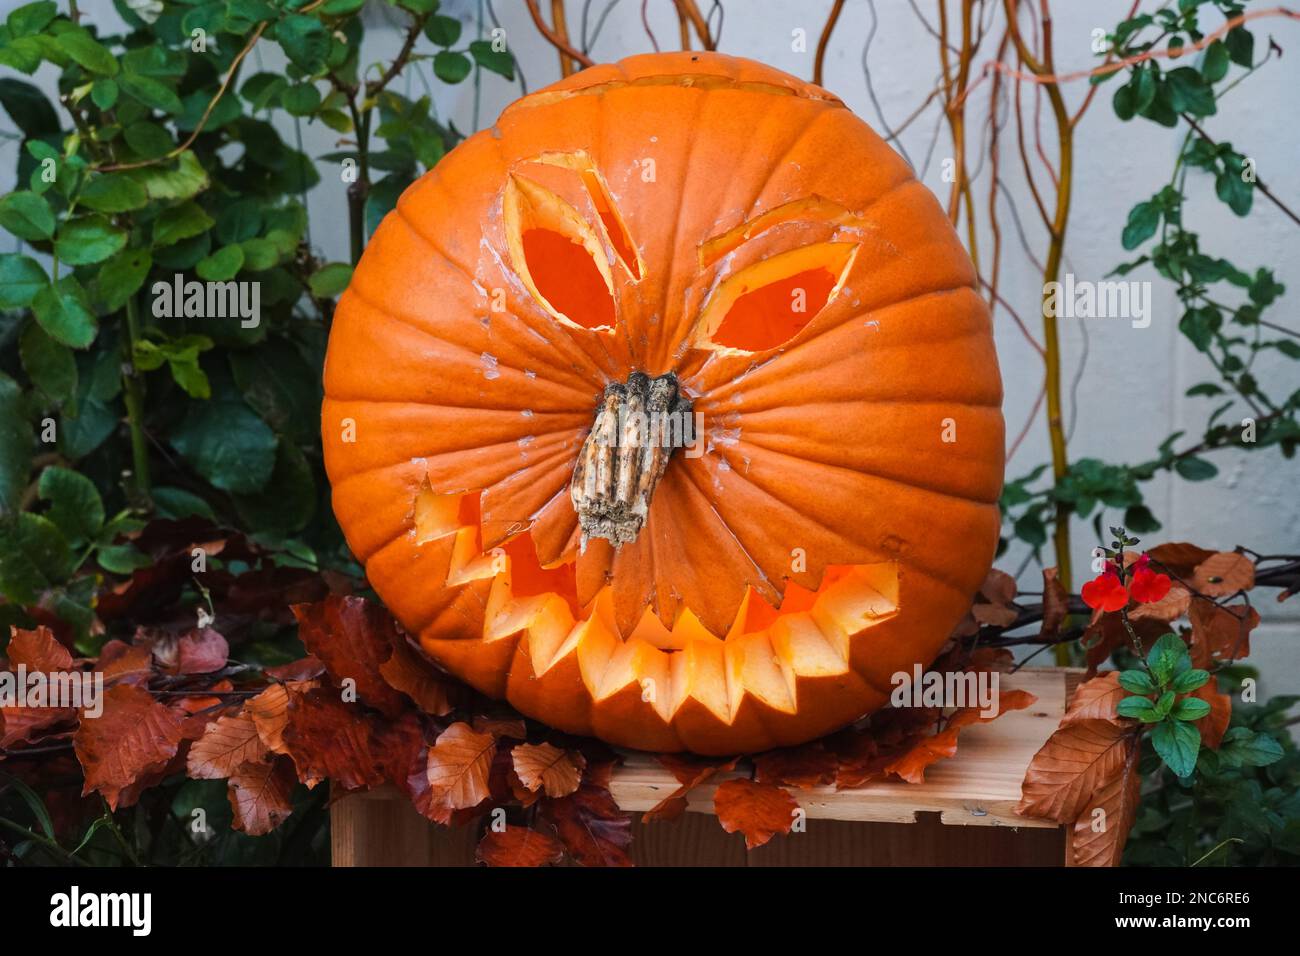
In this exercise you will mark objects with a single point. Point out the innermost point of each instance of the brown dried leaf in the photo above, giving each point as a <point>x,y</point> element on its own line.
<point>546,766</point>
<point>999,587</point>
<point>810,765</point>
<point>1169,608</point>
<point>1224,573</point>
<point>1056,604</point>
<point>459,764</point>
<point>1096,699</point>
<point>1220,633</point>
<point>124,663</point>
<point>911,766</point>
<point>20,725</point>
<point>1099,838</point>
<point>352,637</point>
<point>995,615</point>
<point>758,810</point>
<point>260,793</point>
<point>501,727</point>
<point>591,826</point>
<point>135,736</point>
<point>691,772</point>
<point>201,651</point>
<point>1214,724</point>
<point>518,846</point>
<point>344,743</point>
<point>226,745</point>
<point>1077,761</point>
<point>1179,557</point>
<point>415,677</point>
<point>38,651</point>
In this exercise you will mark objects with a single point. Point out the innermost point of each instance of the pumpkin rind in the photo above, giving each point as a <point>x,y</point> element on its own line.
<point>465,421</point>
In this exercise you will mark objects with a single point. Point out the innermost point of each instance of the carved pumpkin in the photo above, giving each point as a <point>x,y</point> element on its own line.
<point>667,409</point>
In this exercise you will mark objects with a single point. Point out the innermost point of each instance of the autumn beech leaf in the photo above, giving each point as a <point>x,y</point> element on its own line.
<point>25,724</point>
<point>227,744</point>
<point>546,766</point>
<point>501,727</point>
<point>691,771</point>
<point>459,764</point>
<point>344,743</point>
<point>123,663</point>
<point>1103,826</point>
<point>758,810</point>
<point>911,766</point>
<point>1095,699</point>
<point>406,671</point>
<point>810,765</point>
<point>304,669</point>
<point>1224,573</point>
<point>518,846</point>
<point>1056,604</point>
<point>591,826</point>
<point>38,650</point>
<point>1220,633</point>
<point>134,737</point>
<point>201,651</point>
<point>1169,608</point>
<point>1214,724</point>
<point>1179,557</point>
<point>352,637</point>
<point>269,711</point>
<point>260,793</point>
<point>1075,762</point>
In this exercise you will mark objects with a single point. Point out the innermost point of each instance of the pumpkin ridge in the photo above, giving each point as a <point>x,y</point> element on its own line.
<point>706,82</point>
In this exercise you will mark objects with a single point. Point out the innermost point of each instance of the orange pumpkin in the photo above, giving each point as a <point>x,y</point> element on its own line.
<point>667,409</point>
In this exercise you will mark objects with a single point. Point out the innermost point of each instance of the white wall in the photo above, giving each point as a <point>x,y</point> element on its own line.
<point>1129,395</point>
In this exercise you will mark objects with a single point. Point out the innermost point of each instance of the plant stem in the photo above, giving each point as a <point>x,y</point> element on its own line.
<point>133,395</point>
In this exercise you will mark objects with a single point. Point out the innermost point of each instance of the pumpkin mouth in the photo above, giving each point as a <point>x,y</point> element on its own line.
<point>639,425</point>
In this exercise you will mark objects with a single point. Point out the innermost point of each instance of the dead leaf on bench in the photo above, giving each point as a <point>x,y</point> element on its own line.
<point>546,766</point>
<point>591,826</point>
<point>691,771</point>
<point>1095,699</point>
<point>758,810</point>
<point>1077,761</point>
<point>911,765</point>
<point>352,637</point>
<point>518,846</point>
<point>809,765</point>
<point>1102,828</point>
<point>460,762</point>
<point>415,677</point>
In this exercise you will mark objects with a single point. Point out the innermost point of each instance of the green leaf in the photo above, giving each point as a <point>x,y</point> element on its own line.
<point>113,192</point>
<point>1233,190</point>
<point>330,280</point>
<point>1029,527</point>
<point>1200,324</point>
<point>1241,46</point>
<point>1143,220</point>
<point>75,505</point>
<point>87,240</point>
<point>500,62</point>
<point>300,100</point>
<point>44,545</point>
<point>341,8</point>
<point>185,181</point>
<point>1195,469</point>
<point>1188,681</point>
<point>177,503</point>
<point>27,215</point>
<point>28,19</point>
<point>21,278</point>
<point>1168,657</point>
<point>222,265</point>
<point>148,140</point>
<point>1138,708</point>
<point>450,66</point>
<point>180,222</point>
<point>1124,102</point>
<point>227,444</point>
<point>1242,747</point>
<point>99,381</point>
<point>1137,682</point>
<point>121,277</point>
<point>16,442</point>
<point>88,52</point>
<point>305,41</point>
<point>104,94</point>
<point>1189,92</point>
<point>1190,708</point>
<point>1177,743</point>
<point>1215,65</point>
<point>444,31</point>
<point>1139,519</point>
<point>51,367</point>
<point>1164,704</point>
<point>152,93</point>
<point>276,381</point>
<point>122,558</point>
<point>288,501</point>
<point>259,254</point>
<point>64,314</point>
<point>28,107</point>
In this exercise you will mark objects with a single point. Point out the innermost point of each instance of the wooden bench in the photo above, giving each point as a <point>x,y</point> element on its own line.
<point>961,815</point>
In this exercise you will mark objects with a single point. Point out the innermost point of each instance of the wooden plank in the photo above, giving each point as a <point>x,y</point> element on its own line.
<point>979,786</point>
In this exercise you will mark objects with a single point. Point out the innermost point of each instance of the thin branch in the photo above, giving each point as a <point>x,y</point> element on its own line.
<point>560,44</point>
<point>819,61</point>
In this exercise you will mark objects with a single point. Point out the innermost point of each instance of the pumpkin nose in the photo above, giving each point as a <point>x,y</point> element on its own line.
<point>639,424</point>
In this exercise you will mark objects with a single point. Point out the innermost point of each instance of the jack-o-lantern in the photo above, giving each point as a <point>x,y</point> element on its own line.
<point>667,409</point>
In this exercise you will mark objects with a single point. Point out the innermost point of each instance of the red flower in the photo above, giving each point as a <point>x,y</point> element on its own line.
<point>1106,591</point>
<point>1147,587</point>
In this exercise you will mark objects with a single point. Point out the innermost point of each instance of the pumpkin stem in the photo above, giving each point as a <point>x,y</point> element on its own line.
<point>638,426</point>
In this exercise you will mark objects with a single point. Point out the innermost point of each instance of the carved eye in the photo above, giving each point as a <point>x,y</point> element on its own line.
<point>561,258</point>
<point>766,303</point>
